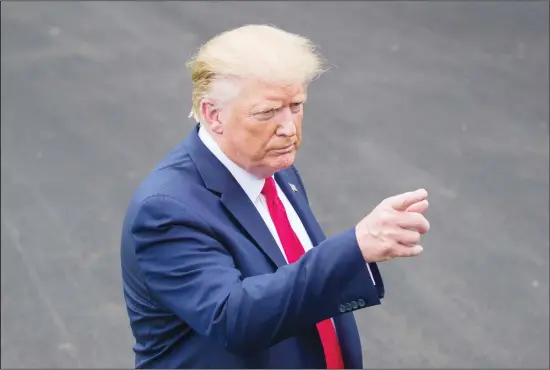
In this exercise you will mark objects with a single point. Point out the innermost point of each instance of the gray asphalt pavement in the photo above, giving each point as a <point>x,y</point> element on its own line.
<point>448,96</point>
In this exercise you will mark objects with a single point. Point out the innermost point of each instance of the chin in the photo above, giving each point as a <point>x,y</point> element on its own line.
<point>273,164</point>
<point>284,161</point>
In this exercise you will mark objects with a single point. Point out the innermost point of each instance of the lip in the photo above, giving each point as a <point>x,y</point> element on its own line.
<point>285,150</point>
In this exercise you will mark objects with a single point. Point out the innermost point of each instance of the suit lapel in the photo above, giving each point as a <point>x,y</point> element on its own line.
<point>218,179</point>
<point>292,192</point>
<point>240,206</point>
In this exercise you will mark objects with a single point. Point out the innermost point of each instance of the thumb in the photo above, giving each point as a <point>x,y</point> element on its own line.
<point>403,201</point>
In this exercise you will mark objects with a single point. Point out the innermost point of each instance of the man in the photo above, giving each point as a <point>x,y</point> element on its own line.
<point>224,265</point>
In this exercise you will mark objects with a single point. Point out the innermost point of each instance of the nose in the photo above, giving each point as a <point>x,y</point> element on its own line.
<point>287,128</point>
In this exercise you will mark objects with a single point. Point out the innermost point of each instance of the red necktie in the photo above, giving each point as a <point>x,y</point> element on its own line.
<point>294,250</point>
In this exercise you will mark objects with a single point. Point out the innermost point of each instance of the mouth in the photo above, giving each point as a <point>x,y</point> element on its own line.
<point>284,150</point>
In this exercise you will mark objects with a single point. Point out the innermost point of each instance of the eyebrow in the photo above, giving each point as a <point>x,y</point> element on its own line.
<point>262,107</point>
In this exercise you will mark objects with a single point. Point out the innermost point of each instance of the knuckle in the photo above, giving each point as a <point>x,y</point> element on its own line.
<point>389,233</point>
<point>401,252</point>
<point>386,217</point>
<point>392,252</point>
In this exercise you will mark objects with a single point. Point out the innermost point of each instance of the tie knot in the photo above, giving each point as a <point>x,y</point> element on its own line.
<point>269,190</point>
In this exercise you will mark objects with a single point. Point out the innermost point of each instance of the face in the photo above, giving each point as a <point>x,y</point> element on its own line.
<point>261,128</point>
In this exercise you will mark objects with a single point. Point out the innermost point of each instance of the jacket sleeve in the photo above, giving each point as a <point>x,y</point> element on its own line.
<point>374,270</point>
<point>192,275</point>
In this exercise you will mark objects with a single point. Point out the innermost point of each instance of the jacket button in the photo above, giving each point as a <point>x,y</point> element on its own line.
<point>348,306</point>
<point>342,308</point>
<point>354,305</point>
<point>361,303</point>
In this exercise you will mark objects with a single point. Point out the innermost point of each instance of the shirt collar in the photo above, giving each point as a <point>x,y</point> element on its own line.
<point>251,184</point>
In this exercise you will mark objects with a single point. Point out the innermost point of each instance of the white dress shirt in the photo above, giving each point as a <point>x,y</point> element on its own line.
<point>253,186</point>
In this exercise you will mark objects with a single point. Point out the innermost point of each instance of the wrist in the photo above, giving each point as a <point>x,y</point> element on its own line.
<point>364,255</point>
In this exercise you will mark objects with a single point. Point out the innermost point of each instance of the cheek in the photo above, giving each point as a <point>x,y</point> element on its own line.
<point>258,139</point>
<point>298,124</point>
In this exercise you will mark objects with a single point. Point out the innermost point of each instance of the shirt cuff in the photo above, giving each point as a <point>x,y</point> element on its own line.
<point>370,273</point>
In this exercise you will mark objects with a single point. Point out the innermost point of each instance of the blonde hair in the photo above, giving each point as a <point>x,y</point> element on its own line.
<point>260,52</point>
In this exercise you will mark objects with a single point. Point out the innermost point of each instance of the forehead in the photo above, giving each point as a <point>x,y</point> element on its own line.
<point>261,93</point>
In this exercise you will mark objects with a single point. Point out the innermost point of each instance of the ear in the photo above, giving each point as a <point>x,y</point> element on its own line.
<point>211,114</point>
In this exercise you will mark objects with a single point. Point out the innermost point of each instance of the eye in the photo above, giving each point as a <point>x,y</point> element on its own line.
<point>266,114</point>
<point>295,107</point>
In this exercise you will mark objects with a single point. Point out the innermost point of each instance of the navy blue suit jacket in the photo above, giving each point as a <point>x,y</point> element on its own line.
<point>206,285</point>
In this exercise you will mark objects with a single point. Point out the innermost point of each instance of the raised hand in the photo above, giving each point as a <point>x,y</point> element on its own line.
<point>393,229</point>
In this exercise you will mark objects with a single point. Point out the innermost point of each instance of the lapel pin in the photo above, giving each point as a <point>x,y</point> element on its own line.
<point>293,187</point>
